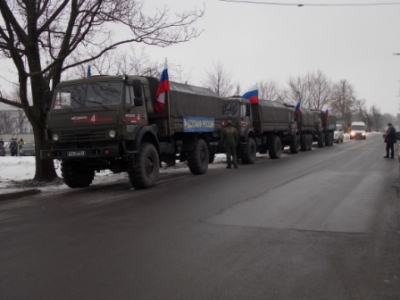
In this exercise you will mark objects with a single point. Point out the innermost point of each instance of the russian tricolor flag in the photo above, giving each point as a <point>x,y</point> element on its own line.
<point>252,95</point>
<point>89,71</point>
<point>162,89</point>
<point>297,108</point>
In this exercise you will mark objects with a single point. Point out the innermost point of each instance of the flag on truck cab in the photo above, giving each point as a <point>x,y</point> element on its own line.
<point>89,71</point>
<point>162,89</point>
<point>252,95</point>
<point>297,108</point>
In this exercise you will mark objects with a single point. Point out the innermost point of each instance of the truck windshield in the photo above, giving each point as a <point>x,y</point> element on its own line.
<point>230,108</point>
<point>357,127</point>
<point>87,95</point>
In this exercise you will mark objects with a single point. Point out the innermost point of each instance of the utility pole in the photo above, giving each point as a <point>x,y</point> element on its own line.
<point>398,95</point>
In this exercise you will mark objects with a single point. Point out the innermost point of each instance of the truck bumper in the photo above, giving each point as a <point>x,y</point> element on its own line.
<point>106,152</point>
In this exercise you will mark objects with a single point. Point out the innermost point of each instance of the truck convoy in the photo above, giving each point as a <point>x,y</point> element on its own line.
<point>269,126</point>
<point>109,123</point>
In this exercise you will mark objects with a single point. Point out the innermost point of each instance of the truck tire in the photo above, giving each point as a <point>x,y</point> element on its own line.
<point>211,157</point>
<point>303,142</point>
<point>198,158</point>
<point>321,140</point>
<point>248,155</point>
<point>294,145</point>
<point>275,147</point>
<point>146,167</point>
<point>309,142</point>
<point>330,139</point>
<point>76,175</point>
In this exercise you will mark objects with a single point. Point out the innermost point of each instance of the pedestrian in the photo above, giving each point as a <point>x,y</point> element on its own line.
<point>390,140</point>
<point>20,143</point>
<point>13,147</point>
<point>230,138</point>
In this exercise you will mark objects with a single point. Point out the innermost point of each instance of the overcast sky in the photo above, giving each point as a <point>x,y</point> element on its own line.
<point>274,42</point>
<point>261,42</point>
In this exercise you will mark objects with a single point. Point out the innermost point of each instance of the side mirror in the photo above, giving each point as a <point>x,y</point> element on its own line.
<point>248,111</point>
<point>137,89</point>
<point>138,101</point>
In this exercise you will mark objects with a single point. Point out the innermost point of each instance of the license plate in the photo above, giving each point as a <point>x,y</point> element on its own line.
<point>76,153</point>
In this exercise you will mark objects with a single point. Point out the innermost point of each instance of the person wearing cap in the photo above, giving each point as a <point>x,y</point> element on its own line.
<point>230,138</point>
<point>390,140</point>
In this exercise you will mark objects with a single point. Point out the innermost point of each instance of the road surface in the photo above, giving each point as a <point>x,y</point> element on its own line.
<point>316,225</point>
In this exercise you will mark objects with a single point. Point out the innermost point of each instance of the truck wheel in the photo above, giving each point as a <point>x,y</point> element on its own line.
<point>76,175</point>
<point>274,147</point>
<point>294,145</point>
<point>248,156</point>
<point>321,140</point>
<point>303,142</point>
<point>309,142</point>
<point>330,137</point>
<point>144,172</point>
<point>211,157</point>
<point>198,158</point>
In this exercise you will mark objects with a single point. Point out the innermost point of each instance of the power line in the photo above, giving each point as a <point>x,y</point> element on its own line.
<point>300,4</point>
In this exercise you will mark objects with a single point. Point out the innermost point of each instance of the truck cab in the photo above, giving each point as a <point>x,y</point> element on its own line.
<point>238,110</point>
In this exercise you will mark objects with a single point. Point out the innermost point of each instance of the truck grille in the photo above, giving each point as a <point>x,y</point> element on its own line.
<point>97,135</point>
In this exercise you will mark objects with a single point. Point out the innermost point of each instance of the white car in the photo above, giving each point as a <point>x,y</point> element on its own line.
<point>338,135</point>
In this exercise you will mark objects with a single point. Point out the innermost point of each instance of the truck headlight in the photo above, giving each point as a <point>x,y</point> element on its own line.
<point>55,137</point>
<point>112,134</point>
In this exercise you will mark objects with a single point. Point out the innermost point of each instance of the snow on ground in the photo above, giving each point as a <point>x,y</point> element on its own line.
<point>16,171</point>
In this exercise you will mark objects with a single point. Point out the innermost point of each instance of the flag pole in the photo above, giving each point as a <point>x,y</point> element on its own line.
<point>169,113</point>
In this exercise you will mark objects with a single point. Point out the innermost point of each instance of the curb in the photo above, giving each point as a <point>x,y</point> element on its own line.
<point>15,195</point>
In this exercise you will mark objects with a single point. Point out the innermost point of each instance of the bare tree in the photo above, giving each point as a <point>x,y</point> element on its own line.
<point>298,91</point>
<point>269,90</point>
<point>219,80</point>
<point>320,90</point>
<point>43,39</point>
<point>375,119</point>
<point>343,100</point>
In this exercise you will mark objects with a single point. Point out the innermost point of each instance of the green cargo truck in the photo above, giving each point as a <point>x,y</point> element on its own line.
<point>109,123</point>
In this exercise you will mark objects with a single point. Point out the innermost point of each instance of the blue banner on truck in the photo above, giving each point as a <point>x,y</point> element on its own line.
<point>198,124</point>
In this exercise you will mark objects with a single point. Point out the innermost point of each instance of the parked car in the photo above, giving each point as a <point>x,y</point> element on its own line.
<point>338,135</point>
<point>28,149</point>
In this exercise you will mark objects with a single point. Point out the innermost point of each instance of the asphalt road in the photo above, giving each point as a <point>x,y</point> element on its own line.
<point>319,225</point>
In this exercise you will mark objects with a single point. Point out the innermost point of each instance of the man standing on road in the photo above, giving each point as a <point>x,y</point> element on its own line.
<point>390,140</point>
<point>230,138</point>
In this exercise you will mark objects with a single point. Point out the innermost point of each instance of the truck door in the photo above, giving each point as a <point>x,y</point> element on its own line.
<point>135,107</point>
<point>245,115</point>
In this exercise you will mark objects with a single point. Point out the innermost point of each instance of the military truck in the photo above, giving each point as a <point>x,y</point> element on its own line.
<point>108,122</point>
<point>328,125</point>
<point>309,127</point>
<point>314,126</point>
<point>264,127</point>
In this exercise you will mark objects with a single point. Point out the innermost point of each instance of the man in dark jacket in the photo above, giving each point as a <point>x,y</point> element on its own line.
<point>13,147</point>
<point>230,137</point>
<point>390,140</point>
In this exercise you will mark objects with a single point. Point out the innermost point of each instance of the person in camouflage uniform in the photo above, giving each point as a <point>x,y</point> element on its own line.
<point>230,138</point>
